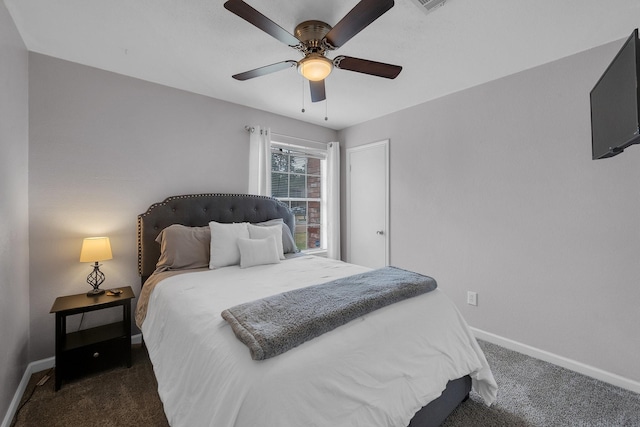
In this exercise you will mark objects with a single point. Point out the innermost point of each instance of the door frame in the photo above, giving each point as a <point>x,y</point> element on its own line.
<point>349,151</point>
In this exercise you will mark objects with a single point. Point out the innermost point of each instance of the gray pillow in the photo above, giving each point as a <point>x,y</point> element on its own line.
<point>258,251</point>
<point>288,244</point>
<point>183,247</point>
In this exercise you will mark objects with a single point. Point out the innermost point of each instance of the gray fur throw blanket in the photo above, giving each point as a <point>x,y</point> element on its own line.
<point>273,325</point>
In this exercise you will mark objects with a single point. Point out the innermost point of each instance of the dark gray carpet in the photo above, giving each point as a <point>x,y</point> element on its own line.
<point>536,393</point>
<point>532,393</point>
<point>119,397</point>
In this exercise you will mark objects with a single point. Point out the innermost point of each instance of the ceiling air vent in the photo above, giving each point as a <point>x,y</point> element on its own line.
<point>428,6</point>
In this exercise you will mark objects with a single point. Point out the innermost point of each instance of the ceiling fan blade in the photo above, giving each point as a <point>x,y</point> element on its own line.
<point>365,66</point>
<point>267,69</point>
<point>249,14</point>
<point>363,14</point>
<point>317,91</point>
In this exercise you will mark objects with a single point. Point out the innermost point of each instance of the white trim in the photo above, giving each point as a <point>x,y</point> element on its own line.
<point>573,365</point>
<point>32,368</point>
<point>37,366</point>
<point>316,252</point>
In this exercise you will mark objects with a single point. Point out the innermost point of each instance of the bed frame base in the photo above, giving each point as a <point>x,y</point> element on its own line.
<point>437,411</point>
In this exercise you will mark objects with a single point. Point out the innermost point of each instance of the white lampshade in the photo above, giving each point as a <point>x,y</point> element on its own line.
<point>95,249</point>
<point>315,67</point>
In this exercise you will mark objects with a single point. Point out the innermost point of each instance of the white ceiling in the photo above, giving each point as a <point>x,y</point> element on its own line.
<point>196,45</point>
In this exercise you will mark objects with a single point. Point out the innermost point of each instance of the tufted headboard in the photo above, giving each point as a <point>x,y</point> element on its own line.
<point>197,210</point>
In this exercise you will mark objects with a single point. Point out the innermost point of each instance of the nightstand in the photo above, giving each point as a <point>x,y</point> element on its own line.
<point>90,349</point>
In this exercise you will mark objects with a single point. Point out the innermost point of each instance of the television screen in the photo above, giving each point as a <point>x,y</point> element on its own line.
<point>615,103</point>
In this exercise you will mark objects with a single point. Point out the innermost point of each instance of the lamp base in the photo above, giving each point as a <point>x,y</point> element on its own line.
<point>95,292</point>
<point>95,279</point>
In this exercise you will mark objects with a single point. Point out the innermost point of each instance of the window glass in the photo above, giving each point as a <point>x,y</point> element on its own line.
<point>280,184</point>
<point>279,162</point>
<point>298,164</point>
<point>297,186</point>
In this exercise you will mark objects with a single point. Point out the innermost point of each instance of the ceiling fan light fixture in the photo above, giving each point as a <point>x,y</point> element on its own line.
<point>315,67</point>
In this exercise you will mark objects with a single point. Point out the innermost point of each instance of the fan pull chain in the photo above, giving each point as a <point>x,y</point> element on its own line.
<point>303,81</point>
<point>326,109</point>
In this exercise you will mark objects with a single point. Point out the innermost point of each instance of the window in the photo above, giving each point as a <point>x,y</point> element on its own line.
<point>296,179</point>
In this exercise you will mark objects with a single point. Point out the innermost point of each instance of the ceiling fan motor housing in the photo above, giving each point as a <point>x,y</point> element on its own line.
<point>311,34</point>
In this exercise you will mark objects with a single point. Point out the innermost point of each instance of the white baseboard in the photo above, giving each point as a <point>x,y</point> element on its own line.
<point>136,339</point>
<point>37,366</point>
<point>573,365</point>
<point>33,367</point>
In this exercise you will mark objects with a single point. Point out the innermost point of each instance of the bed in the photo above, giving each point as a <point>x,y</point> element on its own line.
<point>407,364</point>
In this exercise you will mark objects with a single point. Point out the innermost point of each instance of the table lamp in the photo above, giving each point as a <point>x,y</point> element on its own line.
<point>95,249</point>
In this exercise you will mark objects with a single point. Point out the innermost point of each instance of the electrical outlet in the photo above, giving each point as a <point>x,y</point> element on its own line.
<point>472,298</point>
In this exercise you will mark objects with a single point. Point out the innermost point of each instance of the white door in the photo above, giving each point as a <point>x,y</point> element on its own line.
<point>368,204</point>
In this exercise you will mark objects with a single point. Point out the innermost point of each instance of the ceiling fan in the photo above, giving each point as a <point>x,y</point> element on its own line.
<point>314,39</point>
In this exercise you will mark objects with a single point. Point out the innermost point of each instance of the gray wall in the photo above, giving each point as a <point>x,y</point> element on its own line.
<point>103,147</point>
<point>14,226</point>
<point>493,190</point>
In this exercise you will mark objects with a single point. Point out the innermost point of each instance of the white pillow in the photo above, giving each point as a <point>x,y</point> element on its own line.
<point>262,232</point>
<point>258,251</point>
<point>224,243</point>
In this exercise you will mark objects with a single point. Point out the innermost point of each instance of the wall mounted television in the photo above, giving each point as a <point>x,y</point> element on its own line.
<point>615,103</point>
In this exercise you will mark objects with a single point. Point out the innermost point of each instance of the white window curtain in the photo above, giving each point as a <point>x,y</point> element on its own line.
<point>260,181</point>
<point>331,201</point>
<point>259,161</point>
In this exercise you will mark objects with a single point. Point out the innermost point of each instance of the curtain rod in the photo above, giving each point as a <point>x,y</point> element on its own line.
<point>252,129</point>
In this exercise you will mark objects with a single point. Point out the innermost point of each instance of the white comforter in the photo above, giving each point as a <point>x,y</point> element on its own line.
<point>374,371</point>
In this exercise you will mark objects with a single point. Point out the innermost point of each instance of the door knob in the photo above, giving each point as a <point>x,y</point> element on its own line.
<point>380,232</point>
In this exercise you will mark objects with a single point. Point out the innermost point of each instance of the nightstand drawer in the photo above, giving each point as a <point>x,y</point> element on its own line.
<point>96,356</point>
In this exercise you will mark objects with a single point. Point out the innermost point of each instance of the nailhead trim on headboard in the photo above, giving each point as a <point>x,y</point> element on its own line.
<point>197,210</point>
